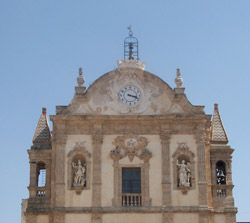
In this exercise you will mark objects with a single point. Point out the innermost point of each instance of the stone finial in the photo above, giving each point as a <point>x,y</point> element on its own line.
<point>80,79</point>
<point>178,79</point>
<point>44,111</point>
<point>216,106</point>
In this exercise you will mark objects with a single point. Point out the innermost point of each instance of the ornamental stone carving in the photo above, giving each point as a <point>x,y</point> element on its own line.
<point>184,168</point>
<point>130,146</point>
<point>78,168</point>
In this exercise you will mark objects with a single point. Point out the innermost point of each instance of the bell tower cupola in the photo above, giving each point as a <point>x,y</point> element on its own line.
<point>131,53</point>
<point>131,46</point>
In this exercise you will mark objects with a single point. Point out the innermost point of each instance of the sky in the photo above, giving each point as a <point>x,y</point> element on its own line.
<point>44,42</point>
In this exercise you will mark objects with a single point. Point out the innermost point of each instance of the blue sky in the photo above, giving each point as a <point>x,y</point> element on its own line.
<point>43,43</point>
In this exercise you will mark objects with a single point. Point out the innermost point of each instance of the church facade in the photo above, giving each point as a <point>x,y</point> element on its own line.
<point>130,149</point>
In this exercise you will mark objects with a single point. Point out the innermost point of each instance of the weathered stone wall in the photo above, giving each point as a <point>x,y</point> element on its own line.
<point>131,218</point>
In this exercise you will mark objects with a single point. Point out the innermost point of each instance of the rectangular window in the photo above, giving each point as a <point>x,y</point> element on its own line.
<point>131,186</point>
<point>131,180</point>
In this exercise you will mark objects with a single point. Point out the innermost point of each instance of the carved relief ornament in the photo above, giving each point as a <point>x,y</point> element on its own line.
<point>130,146</point>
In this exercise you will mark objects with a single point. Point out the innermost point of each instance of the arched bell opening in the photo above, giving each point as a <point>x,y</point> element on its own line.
<point>221,172</point>
<point>41,174</point>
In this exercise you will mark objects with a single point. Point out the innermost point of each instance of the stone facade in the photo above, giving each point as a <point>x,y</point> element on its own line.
<point>155,134</point>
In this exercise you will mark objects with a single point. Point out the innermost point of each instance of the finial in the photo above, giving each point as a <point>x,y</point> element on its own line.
<point>215,106</point>
<point>80,71</point>
<point>178,79</point>
<point>130,31</point>
<point>80,79</point>
<point>44,111</point>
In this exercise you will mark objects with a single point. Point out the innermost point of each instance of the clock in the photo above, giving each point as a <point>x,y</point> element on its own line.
<point>129,95</point>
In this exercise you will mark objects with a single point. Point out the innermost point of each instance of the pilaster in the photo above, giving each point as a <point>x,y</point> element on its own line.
<point>31,218</point>
<point>97,140</point>
<point>230,218</point>
<point>202,181</point>
<point>229,172</point>
<point>58,179</point>
<point>166,179</point>
<point>96,218</point>
<point>59,218</point>
<point>204,217</point>
<point>33,179</point>
<point>167,217</point>
<point>116,200</point>
<point>146,199</point>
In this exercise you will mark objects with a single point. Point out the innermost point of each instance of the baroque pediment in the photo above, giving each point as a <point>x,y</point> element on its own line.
<point>129,91</point>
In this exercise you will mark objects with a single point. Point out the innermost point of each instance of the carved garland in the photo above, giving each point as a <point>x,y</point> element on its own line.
<point>78,159</point>
<point>188,165</point>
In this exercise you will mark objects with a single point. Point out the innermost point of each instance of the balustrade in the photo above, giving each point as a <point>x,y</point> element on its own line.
<point>131,200</point>
<point>42,192</point>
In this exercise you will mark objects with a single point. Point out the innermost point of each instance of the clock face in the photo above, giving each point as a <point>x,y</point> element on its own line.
<point>129,95</point>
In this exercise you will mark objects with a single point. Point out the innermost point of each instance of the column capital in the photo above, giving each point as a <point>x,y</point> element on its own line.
<point>59,138</point>
<point>201,138</point>
<point>97,138</point>
<point>165,138</point>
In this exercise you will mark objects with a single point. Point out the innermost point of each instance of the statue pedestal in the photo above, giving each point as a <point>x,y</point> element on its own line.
<point>78,189</point>
<point>184,189</point>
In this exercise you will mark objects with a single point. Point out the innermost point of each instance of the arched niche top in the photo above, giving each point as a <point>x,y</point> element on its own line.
<point>79,149</point>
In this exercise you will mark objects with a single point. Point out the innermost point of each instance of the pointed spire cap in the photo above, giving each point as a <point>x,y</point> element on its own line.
<point>41,139</point>
<point>218,133</point>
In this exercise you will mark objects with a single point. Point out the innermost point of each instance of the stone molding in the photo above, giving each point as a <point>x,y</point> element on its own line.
<point>82,153</point>
<point>155,209</point>
<point>183,152</point>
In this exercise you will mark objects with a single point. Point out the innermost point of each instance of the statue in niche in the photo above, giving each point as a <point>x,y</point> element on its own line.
<point>80,174</point>
<point>184,173</point>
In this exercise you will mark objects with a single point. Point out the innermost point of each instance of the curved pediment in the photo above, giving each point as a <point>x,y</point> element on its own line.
<point>130,91</point>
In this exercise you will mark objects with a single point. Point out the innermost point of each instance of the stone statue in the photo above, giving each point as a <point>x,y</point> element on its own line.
<point>184,173</point>
<point>80,174</point>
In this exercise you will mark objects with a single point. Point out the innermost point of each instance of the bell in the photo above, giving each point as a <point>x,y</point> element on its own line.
<point>221,174</point>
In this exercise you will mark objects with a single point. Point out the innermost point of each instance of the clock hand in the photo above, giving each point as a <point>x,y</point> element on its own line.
<point>132,96</point>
